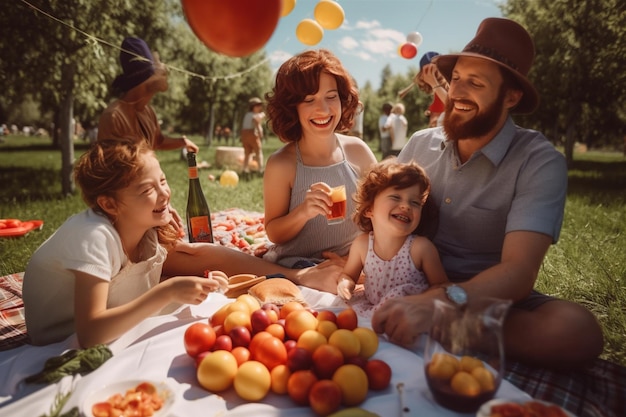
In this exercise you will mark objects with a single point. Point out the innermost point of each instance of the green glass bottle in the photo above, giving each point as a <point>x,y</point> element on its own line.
<point>199,227</point>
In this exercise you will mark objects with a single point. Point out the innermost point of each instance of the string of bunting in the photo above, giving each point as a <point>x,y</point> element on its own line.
<point>93,40</point>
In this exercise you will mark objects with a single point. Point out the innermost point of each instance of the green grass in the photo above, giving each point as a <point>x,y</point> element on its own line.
<point>588,265</point>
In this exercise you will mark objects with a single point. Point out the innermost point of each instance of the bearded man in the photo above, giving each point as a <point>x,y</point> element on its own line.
<point>500,191</point>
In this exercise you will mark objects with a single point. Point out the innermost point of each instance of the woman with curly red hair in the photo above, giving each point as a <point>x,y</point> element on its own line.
<point>313,99</point>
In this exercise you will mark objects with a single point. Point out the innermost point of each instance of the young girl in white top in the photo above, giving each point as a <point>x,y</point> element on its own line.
<point>395,261</point>
<point>99,274</point>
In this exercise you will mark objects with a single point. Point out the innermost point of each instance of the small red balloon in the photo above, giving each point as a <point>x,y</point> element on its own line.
<point>233,27</point>
<point>408,50</point>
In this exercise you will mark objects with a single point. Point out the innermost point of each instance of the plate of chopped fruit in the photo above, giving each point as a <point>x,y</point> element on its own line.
<point>521,408</point>
<point>130,397</point>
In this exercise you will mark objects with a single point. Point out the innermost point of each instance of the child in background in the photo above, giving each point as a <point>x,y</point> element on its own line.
<point>431,81</point>
<point>314,97</point>
<point>395,262</point>
<point>252,135</point>
<point>99,274</point>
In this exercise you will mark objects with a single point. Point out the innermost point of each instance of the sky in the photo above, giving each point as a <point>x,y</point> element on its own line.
<point>373,30</point>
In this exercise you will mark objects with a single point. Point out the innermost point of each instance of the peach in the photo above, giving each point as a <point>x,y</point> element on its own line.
<point>353,383</point>
<point>325,397</point>
<point>299,385</point>
<point>297,322</point>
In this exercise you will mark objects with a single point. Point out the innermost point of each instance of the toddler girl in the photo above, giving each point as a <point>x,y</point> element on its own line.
<point>394,261</point>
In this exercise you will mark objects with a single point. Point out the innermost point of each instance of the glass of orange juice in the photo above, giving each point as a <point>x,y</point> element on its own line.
<point>338,210</point>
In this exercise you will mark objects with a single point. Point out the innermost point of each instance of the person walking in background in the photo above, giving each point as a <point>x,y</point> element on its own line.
<point>397,126</point>
<point>356,128</point>
<point>252,135</point>
<point>314,98</point>
<point>385,138</point>
<point>500,190</point>
<point>131,116</point>
<point>430,81</point>
<point>395,262</point>
<point>219,134</point>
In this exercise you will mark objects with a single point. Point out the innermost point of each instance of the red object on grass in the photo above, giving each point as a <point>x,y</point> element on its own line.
<point>21,229</point>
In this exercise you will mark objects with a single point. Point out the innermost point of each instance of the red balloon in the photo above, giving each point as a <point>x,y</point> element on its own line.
<point>408,50</point>
<point>233,27</point>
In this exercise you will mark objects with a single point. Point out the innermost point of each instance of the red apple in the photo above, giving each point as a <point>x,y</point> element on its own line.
<point>240,336</point>
<point>259,319</point>
<point>223,342</point>
<point>378,374</point>
<point>325,397</point>
<point>299,358</point>
<point>290,344</point>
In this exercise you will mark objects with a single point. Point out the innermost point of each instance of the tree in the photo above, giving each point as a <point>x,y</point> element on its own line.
<point>48,54</point>
<point>65,55</point>
<point>579,68</point>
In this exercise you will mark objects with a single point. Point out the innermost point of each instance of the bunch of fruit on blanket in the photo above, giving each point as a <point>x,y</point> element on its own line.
<point>320,358</point>
<point>240,229</point>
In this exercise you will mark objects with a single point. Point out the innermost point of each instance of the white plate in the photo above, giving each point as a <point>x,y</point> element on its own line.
<point>104,393</point>
<point>485,409</point>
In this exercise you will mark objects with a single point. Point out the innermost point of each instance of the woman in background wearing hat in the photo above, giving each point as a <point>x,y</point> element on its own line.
<point>500,190</point>
<point>252,134</point>
<point>131,116</point>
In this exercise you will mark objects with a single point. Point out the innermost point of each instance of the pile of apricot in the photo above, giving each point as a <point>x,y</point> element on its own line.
<point>466,375</point>
<point>320,358</point>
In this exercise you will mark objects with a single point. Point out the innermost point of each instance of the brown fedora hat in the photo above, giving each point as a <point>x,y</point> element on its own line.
<point>509,45</point>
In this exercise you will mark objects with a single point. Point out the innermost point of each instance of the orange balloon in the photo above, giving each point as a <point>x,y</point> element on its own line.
<point>288,6</point>
<point>309,32</point>
<point>329,14</point>
<point>233,27</point>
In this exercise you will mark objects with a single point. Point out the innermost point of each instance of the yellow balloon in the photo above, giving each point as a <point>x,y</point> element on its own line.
<point>329,14</point>
<point>288,6</point>
<point>309,32</point>
<point>229,178</point>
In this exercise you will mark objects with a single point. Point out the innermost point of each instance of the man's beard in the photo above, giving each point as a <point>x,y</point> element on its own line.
<point>478,126</point>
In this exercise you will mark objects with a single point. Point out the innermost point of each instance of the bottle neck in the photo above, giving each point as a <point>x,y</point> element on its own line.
<point>193,168</point>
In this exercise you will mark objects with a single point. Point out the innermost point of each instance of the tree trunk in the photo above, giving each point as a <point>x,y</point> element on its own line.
<point>570,133</point>
<point>208,139</point>
<point>67,128</point>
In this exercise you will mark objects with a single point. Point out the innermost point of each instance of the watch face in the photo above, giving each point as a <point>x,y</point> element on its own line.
<point>456,294</point>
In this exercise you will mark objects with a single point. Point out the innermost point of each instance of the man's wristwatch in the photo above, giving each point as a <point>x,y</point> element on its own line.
<point>456,294</point>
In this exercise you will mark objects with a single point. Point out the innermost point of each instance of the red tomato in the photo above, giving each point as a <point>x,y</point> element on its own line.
<point>235,27</point>
<point>199,337</point>
<point>270,351</point>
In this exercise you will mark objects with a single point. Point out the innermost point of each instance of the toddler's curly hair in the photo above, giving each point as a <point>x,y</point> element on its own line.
<point>385,174</point>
